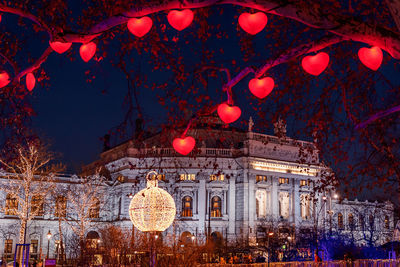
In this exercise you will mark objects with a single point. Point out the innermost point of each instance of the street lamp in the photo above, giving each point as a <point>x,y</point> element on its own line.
<point>269,235</point>
<point>48,243</point>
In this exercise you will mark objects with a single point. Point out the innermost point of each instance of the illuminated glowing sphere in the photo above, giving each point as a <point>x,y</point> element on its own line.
<point>152,209</point>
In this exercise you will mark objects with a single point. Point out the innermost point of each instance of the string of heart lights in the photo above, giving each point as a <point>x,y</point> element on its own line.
<point>180,20</point>
<point>152,209</point>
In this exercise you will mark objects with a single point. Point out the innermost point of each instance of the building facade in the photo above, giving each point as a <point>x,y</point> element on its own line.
<point>236,186</point>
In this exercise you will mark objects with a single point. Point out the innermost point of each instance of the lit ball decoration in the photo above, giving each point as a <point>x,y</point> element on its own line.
<point>261,87</point>
<point>60,47</point>
<point>184,145</point>
<point>139,27</point>
<point>253,23</point>
<point>228,113</point>
<point>30,81</point>
<point>371,57</point>
<point>180,19</point>
<point>87,51</point>
<point>152,209</point>
<point>315,65</point>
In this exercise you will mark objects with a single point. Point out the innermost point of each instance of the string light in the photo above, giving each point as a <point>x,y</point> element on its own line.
<point>152,209</point>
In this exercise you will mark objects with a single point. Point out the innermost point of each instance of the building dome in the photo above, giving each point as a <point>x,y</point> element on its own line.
<point>152,209</point>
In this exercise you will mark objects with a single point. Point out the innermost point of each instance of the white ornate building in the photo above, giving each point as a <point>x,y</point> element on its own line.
<point>235,185</point>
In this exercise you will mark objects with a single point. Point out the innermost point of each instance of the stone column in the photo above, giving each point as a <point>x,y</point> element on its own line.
<point>231,208</point>
<point>296,201</point>
<point>202,205</point>
<point>274,198</point>
<point>251,209</point>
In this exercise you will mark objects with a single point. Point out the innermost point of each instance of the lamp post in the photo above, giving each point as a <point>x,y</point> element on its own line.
<point>269,235</point>
<point>152,210</point>
<point>48,243</point>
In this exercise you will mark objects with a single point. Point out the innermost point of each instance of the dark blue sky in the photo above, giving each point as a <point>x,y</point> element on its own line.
<point>73,114</point>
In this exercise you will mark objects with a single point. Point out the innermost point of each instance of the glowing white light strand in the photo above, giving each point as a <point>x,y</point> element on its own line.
<point>152,209</point>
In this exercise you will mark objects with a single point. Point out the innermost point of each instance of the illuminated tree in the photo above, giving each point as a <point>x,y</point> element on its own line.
<point>86,200</point>
<point>30,180</point>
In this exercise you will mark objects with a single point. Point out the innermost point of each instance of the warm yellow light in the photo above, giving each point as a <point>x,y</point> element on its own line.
<point>283,168</point>
<point>152,209</point>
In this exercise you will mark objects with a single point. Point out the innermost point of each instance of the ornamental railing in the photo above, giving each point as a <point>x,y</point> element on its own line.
<point>356,263</point>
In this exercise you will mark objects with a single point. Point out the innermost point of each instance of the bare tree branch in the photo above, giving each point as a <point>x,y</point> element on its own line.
<point>377,116</point>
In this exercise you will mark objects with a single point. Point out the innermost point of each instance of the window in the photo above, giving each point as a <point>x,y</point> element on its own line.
<point>261,178</point>
<point>340,221</point>
<point>387,222</point>
<point>371,222</point>
<point>283,180</point>
<point>94,210</point>
<point>284,204</point>
<point>219,177</point>
<point>8,246</point>
<point>261,203</point>
<point>187,210</point>
<point>160,177</point>
<point>305,206</point>
<point>37,205</point>
<point>34,246</point>
<point>11,205</point>
<point>61,206</point>
<point>304,182</point>
<point>187,176</point>
<point>361,222</point>
<point>216,207</point>
<point>351,221</point>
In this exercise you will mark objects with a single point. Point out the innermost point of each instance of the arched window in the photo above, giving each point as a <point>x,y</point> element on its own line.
<point>61,206</point>
<point>371,222</point>
<point>387,222</point>
<point>37,205</point>
<point>261,203</point>
<point>216,207</point>
<point>92,239</point>
<point>94,210</point>
<point>187,238</point>
<point>305,206</point>
<point>340,220</point>
<point>11,205</point>
<point>351,221</point>
<point>361,222</point>
<point>187,208</point>
<point>284,204</point>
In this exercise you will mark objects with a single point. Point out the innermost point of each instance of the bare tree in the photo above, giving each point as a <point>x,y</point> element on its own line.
<point>30,179</point>
<point>86,198</point>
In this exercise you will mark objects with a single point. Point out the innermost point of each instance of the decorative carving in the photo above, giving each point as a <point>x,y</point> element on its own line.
<point>280,128</point>
<point>251,124</point>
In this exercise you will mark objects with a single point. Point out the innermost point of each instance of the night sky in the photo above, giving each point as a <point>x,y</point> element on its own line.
<point>73,115</point>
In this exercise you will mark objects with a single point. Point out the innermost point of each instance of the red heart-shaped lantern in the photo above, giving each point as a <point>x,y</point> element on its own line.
<point>315,65</point>
<point>371,57</point>
<point>179,20</point>
<point>228,113</point>
<point>261,87</point>
<point>4,79</point>
<point>184,145</point>
<point>139,27</point>
<point>253,23</point>
<point>30,81</point>
<point>60,47</point>
<point>87,51</point>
